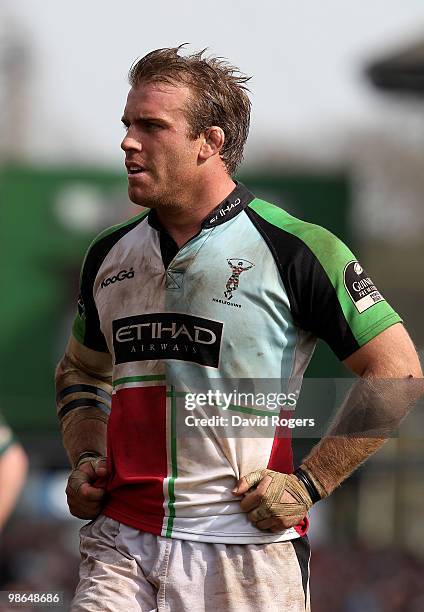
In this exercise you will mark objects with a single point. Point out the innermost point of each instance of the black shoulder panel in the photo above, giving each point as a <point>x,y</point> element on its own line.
<point>96,254</point>
<point>313,300</point>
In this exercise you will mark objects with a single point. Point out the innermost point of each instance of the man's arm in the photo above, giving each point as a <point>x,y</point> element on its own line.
<point>387,364</point>
<point>13,471</point>
<point>83,394</point>
<point>381,363</point>
<point>83,386</point>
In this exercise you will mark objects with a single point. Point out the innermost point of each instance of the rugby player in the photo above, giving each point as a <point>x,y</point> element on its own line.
<point>209,283</point>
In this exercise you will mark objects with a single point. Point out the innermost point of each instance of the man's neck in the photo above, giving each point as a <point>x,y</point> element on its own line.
<point>183,223</point>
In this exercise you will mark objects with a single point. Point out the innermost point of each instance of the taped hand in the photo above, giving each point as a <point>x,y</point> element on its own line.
<point>277,502</point>
<point>84,492</point>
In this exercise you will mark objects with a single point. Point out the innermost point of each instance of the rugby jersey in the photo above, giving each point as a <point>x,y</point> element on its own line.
<point>245,299</point>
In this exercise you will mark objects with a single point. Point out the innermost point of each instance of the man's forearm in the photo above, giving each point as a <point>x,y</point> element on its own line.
<point>371,413</point>
<point>335,459</point>
<point>83,386</point>
<point>87,433</point>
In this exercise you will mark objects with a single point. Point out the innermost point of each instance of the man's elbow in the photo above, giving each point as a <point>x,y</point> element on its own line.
<point>404,364</point>
<point>391,354</point>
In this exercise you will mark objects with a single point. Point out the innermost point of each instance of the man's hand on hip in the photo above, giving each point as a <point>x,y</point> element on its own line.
<point>273,500</point>
<point>84,494</point>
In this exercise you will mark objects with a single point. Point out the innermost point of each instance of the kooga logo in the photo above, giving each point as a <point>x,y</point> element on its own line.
<point>167,335</point>
<point>122,275</point>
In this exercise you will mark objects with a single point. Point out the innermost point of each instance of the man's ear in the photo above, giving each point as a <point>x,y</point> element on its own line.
<point>213,140</point>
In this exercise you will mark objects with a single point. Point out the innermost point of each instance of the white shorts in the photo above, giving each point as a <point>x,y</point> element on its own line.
<point>123,569</point>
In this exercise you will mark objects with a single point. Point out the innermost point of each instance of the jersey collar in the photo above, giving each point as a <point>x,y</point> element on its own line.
<point>229,208</point>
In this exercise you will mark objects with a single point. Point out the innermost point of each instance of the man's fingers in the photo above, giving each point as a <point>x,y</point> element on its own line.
<point>86,468</point>
<point>84,510</point>
<point>99,465</point>
<point>272,524</point>
<point>101,472</point>
<point>241,487</point>
<point>85,490</point>
<point>247,482</point>
<point>89,493</point>
<point>83,514</point>
<point>254,498</point>
<point>86,495</point>
<point>88,473</point>
<point>276,524</point>
<point>268,523</point>
<point>92,465</point>
<point>83,506</point>
<point>278,502</point>
<point>77,479</point>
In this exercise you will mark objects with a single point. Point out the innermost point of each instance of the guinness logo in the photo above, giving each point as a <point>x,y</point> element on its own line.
<point>360,287</point>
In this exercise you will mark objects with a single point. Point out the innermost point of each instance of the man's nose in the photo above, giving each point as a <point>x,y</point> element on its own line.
<point>129,143</point>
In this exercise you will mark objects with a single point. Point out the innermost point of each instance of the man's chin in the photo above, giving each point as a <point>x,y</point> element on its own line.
<point>140,197</point>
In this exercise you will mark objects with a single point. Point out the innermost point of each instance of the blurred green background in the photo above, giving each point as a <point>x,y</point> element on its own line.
<point>49,217</point>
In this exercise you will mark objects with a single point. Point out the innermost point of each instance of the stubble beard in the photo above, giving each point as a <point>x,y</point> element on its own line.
<point>170,198</point>
<point>162,200</point>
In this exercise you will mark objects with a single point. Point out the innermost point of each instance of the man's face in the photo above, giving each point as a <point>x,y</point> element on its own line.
<point>161,159</point>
